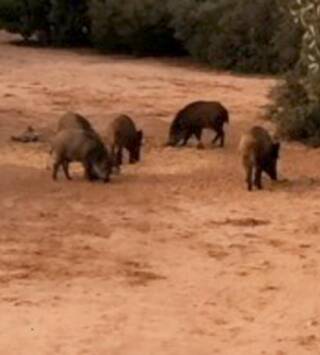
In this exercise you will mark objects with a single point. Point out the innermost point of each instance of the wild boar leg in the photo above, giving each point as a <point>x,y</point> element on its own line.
<point>198,134</point>
<point>56,166</point>
<point>65,166</point>
<point>88,173</point>
<point>132,160</point>
<point>219,135</point>
<point>249,177</point>
<point>257,178</point>
<point>119,155</point>
<point>187,136</point>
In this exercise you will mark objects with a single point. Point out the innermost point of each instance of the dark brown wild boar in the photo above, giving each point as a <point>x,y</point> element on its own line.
<point>195,117</point>
<point>122,133</point>
<point>259,154</point>
<point>77,145</point>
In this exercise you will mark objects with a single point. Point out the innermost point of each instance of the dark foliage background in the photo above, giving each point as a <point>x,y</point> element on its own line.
<point>61,22</point>
<point>242,35</point>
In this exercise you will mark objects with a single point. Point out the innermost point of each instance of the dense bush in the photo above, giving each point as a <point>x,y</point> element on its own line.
<point>295,111</point>
<point>70,22</point>
<point>286,41</point>
<point>59,21</point>
<point>252,36</point>
<point>133,26</point>
<point>195,22</point>
<point>24,16</point>
<point>231,34</point>
<point>296,103</point>
<point>9,15</point>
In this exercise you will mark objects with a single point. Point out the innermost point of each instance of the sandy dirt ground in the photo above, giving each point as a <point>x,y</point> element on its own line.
<point>174,256</point>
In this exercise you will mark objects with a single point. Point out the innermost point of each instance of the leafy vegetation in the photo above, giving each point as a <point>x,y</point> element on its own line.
<point>228,34</point>
<point>296,103</point>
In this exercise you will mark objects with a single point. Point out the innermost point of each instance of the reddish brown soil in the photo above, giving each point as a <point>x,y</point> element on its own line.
<point>172,257</point>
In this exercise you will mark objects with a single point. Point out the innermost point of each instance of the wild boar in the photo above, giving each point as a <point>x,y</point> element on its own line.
<point>122,133</point>
<point>196,116</point>
<point>259,154</point>
<point>73,120</point>
<point>77,145</point>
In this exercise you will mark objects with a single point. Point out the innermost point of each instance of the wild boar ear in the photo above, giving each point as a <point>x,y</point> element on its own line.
<point>275,149</point>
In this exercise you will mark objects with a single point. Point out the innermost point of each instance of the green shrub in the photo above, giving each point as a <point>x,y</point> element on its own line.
<point>24,16</point>
<point>250,36</point>
<point>242,35</point>
<point>133,26</point>
<point>197,24</point>
<point>287,43</point>
<point>70,22</point>
<point>60,21</point>
<point>295,111</point>
<point>9,15</point>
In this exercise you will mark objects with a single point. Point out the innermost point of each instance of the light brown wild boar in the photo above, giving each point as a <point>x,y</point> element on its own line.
<point>77,145</point>
<point>122,133</point>
<point>73,120</point>
<point>259,154</point>
<point>196,116</point>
